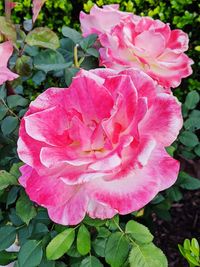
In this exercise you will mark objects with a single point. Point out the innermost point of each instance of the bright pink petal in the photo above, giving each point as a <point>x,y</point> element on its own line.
<point>178,41</point>
<point>164,130</point>
<point>45,127</point>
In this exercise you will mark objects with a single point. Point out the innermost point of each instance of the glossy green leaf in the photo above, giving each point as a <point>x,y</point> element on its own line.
<point>43,37</point>
<point>60,244</point>
<point>139,232</point>
<point>7,236</point>
<point>91,261</point>
<point>116,250</point>
<point>147,256</point>
<point>30,254</point>
<point>83,240</point>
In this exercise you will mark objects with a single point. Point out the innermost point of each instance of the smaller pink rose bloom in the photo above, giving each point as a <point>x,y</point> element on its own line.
<point>6,50</point>
<point>98,147</point>
<point>101,20</point>
<point>140,42</point>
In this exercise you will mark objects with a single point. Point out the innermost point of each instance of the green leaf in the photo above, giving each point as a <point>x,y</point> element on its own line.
<point>39,230</point>
<point>192,259</point>
<point>174,194</point>
<point>94,222</point>
<point>43,37</point>
<point>93,52</point>
<point>30,254</point>
<point>83,240</point>
<point>193,124</point>
<point>69,74</point>
<point>7,179</point>
<point>117,249</point>
<point>7,236</point>
<point>50,60</point>
<point>88,41</point>
<point>24,65</point>
<point>9,124</point>
<point>139,232</point>
<point>7,257</point>
<point>147,256</point>
<point>39,77</point>
<point>197,150</point>
<point>72,34</point>
<point>192,99</point>
<point>181,249</point>
<point>195,247</point>
<point>60,244</point>
<point>3,111</point>
<point>16,100</point>
<point>188,182</point>
<point>91,261</point>
<point>8,29</point>
<point>188,139</point>
<point>99,245</point>
<point>25,209</point>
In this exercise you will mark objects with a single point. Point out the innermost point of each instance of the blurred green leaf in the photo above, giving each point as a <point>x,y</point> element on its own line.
<point>188,139</point>
<point>50,60</point>
<point>16,100</point>
<point>192,99</point>
<point>88,41</point>
<point>7,257</point>
<point>7,179</point>
<point>72,34</point>
<point>43,37</point>
<point>9,124</point>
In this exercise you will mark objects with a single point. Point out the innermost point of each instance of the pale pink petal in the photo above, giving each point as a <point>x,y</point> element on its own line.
<point>37,5</point>
<point>154,47</point>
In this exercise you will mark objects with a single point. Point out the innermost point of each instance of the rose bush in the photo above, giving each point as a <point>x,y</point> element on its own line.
<point>6,50</point>
<point>140,42</point>
<point>99,146</point>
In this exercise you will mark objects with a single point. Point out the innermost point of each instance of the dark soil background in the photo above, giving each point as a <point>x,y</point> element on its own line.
<point>185,221</point>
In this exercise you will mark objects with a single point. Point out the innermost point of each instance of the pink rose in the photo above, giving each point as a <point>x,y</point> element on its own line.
<point>98,147</point>
<point>101,20</point>
<point>143,43</point>
<point>6,50</point>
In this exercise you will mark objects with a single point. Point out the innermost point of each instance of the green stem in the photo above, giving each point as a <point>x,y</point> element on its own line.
<point>11,112</point>
<point>76,63</point>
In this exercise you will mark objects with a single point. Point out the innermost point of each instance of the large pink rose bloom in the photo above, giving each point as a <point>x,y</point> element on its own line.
<point>6,50</point>
<point>140,42</point>
<point>98,147</point>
